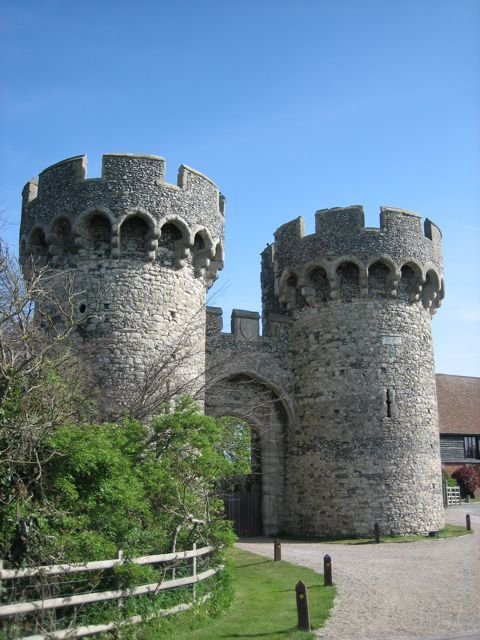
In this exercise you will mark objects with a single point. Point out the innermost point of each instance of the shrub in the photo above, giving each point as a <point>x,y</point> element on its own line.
<point>451,482</point>
<point>468,479</point>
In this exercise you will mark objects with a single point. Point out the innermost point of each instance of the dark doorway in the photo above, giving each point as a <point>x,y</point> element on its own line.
<point>242,495</point>
<point>243,505</point>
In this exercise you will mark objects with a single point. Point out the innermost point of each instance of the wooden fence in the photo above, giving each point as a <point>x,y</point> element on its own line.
<point>16,615</point>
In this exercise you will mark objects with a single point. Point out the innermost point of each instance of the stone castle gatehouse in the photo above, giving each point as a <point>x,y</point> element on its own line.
<point>339,389</point>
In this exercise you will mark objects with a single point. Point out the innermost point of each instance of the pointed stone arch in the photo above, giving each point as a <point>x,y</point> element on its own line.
<point>135,231</point>
<point>410,283</point>
<point>431,290</point>
<point>382,277</point>
<point>317,287</point>
<point>37,247</point>
<point>202,250</point>
<point>174,242</point>
<point>348,273</point>
<point>255,400</point>
<point>61,239</point>
<point>95,231</point>
<point>289,290</point>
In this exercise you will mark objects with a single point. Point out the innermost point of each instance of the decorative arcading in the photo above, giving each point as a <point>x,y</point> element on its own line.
<point>344,260</point>
<point>130,212</point>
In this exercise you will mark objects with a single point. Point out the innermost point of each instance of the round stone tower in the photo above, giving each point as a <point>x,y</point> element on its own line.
<point>141,254</point>
<point>364,445</point>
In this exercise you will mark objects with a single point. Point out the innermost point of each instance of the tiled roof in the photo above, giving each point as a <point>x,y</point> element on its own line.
<point>458,404</point>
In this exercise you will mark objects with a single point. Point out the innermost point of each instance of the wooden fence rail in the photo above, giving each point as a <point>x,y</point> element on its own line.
<point>37,606</point>
<point>98,565</point>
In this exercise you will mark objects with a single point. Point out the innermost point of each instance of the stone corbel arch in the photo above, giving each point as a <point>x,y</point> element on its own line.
<point>393,276</point>
<point>183,244</point>
<point>58,243</point>
<point>202,250</point>
<point>308,289</point>
<point>362,275</point>
<point>432,289</point>
<point>413,289</point>
<point>288,288</point>
<point>36,248</point>
<point>80,229</point>
<point>151,239</point>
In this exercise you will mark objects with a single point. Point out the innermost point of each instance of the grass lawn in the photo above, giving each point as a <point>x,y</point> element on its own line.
<point>264,604</point>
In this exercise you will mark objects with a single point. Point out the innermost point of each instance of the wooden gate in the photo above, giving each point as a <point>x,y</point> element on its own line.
<point>243,505</point>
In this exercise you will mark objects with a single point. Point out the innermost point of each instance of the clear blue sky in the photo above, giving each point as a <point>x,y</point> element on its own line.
<point>288,105</point>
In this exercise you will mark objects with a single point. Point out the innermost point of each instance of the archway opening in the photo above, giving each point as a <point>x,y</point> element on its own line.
<point>254,402</point>
<point>242,493</point>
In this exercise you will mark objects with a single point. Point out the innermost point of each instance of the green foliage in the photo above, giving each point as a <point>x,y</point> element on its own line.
<point>105,487</point>
<point>451,482</point>
<point>142,489</point>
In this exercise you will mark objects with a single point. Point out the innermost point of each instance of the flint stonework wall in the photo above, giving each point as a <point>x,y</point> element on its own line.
<point>365,445</point>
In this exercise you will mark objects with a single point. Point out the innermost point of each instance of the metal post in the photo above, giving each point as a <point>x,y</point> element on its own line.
<point>277,550</point>
<point>467,519</point>
<point>376,530</point>
<point>327,571</point>
<point>302,606</point>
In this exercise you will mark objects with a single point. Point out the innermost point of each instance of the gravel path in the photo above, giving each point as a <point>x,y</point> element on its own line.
<point>398,591</point>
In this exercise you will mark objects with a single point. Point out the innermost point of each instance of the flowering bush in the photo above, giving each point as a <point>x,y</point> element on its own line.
<point>468,479</point>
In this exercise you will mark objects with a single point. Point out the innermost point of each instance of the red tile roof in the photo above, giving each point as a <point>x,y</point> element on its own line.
<point>458,404</point>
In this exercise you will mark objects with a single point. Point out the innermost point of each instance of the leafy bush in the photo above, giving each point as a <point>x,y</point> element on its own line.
<point>106,487</point>
<point>468,479</point>
<point>451,482</point>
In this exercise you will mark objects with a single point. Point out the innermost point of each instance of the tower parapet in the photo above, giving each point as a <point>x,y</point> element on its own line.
<point>130,212</point>
<point>143,253</point>
<point>344,259</point>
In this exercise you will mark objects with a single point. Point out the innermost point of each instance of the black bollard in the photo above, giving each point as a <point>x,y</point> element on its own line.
<point>277,550</point>
<point>302,606</point>
<point>467,519</point>
<point>376,531</point>
<point>327,571</point>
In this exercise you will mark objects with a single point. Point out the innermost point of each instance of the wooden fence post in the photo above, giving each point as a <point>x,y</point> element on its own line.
<point>118,580</point>
<point>376,530</point>
<point>277,550</point>
<point>327,571</point>
<point>302,606</point>
<point>194,567</point>
<point>467,521</point>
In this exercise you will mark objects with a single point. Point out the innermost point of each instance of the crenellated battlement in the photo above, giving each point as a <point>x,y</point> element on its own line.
<point>127,170</point>
<point>245,325</point>
<point>344,260</point>
<point>347,223</point>
<point>129,212</point>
